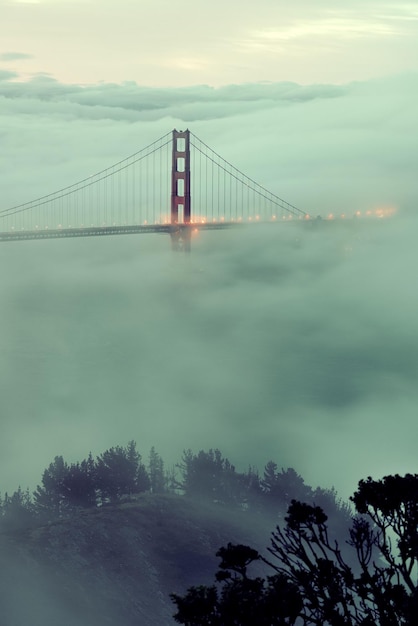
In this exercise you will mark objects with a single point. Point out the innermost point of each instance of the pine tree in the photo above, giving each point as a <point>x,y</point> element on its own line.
<point>119,471</point>
<point>156,472</point>
<point>210,476</point>
<point>50,498</point>
<point>17,510</point>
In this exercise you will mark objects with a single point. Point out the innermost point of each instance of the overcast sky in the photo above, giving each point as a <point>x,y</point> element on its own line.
<point>299,348</point>
<point>164,43</point>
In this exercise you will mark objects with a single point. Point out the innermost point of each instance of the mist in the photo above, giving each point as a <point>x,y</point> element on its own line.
<point>291,342</point>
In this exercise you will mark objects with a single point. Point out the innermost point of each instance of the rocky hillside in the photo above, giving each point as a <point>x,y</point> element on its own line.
<point>116,565</point>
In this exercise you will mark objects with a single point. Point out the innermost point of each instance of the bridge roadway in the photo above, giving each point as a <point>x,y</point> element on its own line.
<point>100,231</point>
<point>182,231</point>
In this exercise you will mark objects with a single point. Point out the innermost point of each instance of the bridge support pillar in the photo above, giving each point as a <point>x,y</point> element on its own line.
<point>180,191</point>
<point>180,178</point>
<point>181,239</point>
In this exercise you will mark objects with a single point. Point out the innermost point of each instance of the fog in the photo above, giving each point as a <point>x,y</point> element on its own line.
<point>288,343</point>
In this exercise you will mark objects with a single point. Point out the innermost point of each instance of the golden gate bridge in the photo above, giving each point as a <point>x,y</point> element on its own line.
<point>173,185</point>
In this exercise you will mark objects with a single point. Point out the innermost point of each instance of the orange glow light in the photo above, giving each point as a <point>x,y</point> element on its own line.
<point>384,211</point>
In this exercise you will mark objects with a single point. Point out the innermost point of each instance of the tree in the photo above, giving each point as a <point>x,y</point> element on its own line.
<point>119,471</point>
<point>209,476</point>
<point>17,510</point>
<point>242,601</point>
<point>79,484</point>
<point>156,473</point>
<point>50,497</point>
<point>66,487</point>
<point>252,497</point>
<point>312,583</point>
<point>282,487</point>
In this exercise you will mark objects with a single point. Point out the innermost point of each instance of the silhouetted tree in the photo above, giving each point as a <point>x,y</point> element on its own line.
<point>79,484</point>
<point>312,582</point>
<point>280,488</point>
<point>238,599</point>
<point>171,481</point>
<point>66,487</point>
<point>119,471</point>
<point>391,504</point>
<point>17,511</point>
<point>156,473</point>
<point>252,494</point>
<point>209,476</point>
<point>340,517</point>
<point>49,498</point>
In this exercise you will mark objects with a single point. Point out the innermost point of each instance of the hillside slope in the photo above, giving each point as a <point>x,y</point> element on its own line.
<point>116,565</point>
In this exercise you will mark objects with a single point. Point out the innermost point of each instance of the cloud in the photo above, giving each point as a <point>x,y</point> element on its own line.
<point>6,75</point>
<point>306,42</point>
<point>341,27</point>
<point>14,56</point>
<point>131,101</point>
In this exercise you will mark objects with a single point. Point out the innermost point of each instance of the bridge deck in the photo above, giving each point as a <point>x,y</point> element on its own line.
<point>100,231</point>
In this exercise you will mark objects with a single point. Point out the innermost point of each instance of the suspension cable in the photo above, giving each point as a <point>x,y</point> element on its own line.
<point>99,176</point>
<point>252,184</point>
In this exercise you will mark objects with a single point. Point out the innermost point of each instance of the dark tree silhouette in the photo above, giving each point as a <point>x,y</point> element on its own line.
<point>119,471</point>
<point>312,584</point>
<point>65,488</point>
<point>156,473</point>
<point>282,487</point>
<point>209,476</point>
<point>17,511</point>
<point>50,496</point>
<point>79,484</point>
<point>242,600</point>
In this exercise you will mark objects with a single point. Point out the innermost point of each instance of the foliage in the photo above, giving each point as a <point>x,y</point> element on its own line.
<point>51,496</point>
<point>212,477</point>
<point>17,511</point>
<point>285,485</point>
<point>119,473</point>
<point>208,475</point>
<point>157,477</point>
<point>280,487</point>
<point>115,473</point>
<point>242,601</point>
<point>312,583</point>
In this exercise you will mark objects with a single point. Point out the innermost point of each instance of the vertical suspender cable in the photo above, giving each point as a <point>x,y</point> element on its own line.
<point>146,189</point>
<point>153,186</point>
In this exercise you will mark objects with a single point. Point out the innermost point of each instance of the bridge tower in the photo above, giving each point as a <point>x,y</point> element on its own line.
<point>180,177</point>
<point>180,190</point>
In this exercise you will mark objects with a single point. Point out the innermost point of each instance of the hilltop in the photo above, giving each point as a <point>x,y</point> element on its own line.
<point>116,565</point>
<point>105,541</point>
